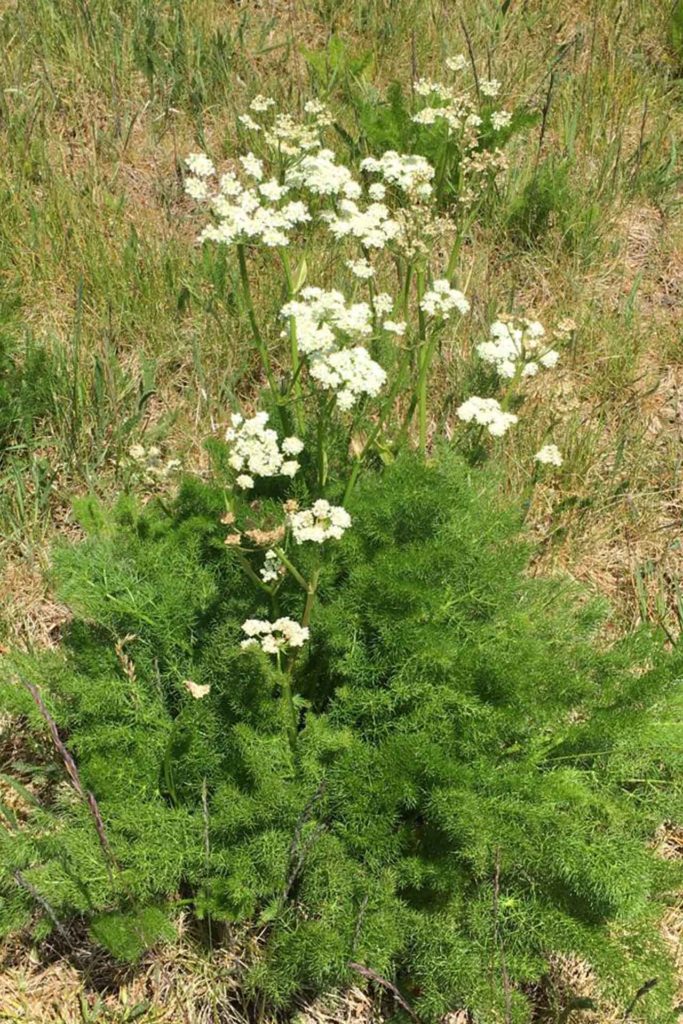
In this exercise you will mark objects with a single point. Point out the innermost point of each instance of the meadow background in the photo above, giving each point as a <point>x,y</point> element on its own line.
<point>116,329</point>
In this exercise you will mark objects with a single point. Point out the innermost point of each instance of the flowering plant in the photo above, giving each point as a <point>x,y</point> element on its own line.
<point>317,694</point>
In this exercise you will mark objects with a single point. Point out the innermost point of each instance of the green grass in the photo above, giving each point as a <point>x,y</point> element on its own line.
<point>115,328</point>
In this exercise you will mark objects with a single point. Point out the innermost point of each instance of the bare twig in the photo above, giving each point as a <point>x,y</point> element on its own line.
<point>470,50</point>
<point>42,902</point>
<point>367,972</point>
<point>86,796</point>
<point>642,991</point>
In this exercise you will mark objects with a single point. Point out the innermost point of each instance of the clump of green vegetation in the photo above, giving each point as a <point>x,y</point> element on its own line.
<point>471,784</point>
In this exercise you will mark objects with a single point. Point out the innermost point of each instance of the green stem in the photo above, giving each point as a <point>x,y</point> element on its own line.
<point>295,383</point>
<point>250,572</point>
<point>303,583</point>
<point>260,344</point>
<point>291,717</point>
<point>386,406</point>
<point>423,365</point>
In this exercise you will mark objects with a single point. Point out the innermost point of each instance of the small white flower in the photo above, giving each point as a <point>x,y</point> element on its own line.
<point>252,166</point>
<point>395,326</point>
<point>487,413</point>
<point>458,63</point>
<point>549,455</point>
<point>292,446</point>
<point>489,86</point>
<point>550,358</point>
<point>199,164</point>
<point>320,523</point>
<point>361,268</point>
<point>274,636</point>
<point>196,188</point>
<point>377,191</point>
<point>256,451</point>
<point>441,299</point>
<point>260,104</point>
<point>249,122</point>
<point>272,567</point>
<point>408,171</point>
<point>272,190</point>
<point>501,119</point>
<point>383,303</point>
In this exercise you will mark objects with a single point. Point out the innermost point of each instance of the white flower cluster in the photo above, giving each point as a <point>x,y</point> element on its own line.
<point>273,637</point>
<point>318,313</point>
<point>361,268</point>
<point>244,213</point>
<point>322,175</point>
<point>351,372</point>
<point>549,455</point>
<point>488,413</point>
<point>373,226</point>
<point>516,346</point>
<point>257,452</point>
<point>489,87</point>
<point>500,119</point>
<point>271,568</point>
<point>319,523</point>
<point>441,300</point>
<point>408,171</point>
<point>458,63</point>
<point>150,461</point>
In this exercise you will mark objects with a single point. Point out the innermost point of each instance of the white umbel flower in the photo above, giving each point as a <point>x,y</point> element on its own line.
<point>318,316</point>
<point>273,637</point>
<point>271,568</point>
<point>361,269</point>
<point>516,345</point>
<point>441,300</point>
<point>200,165</point>
<point>407,171</point>
<point>549,455</point>
<point>319,523</point>
<point>256,450</point>
<point>458,63</point>
<point>489,87</point>
<point>487,413</point>
<point>351,372</point>
<point>501,119</point>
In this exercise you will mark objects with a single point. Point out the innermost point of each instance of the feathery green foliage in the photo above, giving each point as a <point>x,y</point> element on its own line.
<point>473,786</point>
